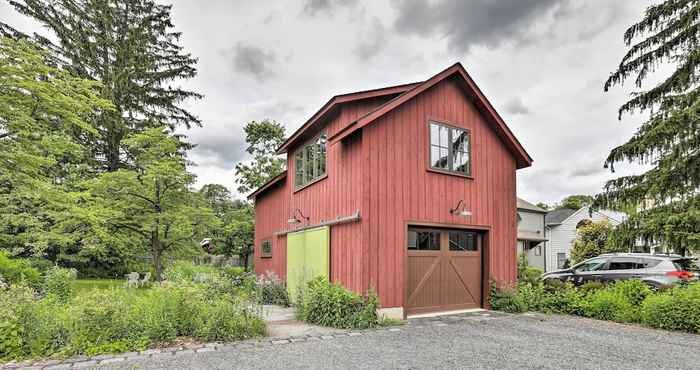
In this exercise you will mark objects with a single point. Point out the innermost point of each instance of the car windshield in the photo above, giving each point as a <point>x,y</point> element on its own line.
<point>687,264</point>
<point>592,265</point>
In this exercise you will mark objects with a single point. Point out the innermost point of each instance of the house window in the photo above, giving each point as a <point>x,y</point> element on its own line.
<point>538,250</point>
<point>310,162</point>
<point>561,260</point>
<point>450,149</point>
<point>266,249</point>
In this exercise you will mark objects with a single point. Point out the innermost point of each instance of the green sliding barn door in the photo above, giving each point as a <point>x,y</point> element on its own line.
<point>307,257</point>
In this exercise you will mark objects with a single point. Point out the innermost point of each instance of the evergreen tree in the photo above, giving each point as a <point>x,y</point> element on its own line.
<point>130,47</point>
<point>263,139</point>
<point>667,195</point>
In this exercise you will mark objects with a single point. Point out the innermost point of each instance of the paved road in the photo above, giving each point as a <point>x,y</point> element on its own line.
<point>488,342</point>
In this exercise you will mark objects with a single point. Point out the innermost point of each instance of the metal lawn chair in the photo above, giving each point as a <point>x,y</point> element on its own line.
<point>132,279</point>
<point>146,279</point>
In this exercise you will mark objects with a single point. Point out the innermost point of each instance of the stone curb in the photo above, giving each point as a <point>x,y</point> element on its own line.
<point>84,361</point>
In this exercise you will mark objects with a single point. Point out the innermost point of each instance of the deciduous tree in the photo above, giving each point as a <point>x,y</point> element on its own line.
<point>263,139</point>
<point>152,201</point>
<point>575,201</point>
<point>44,115</point>
<point>592,240</point>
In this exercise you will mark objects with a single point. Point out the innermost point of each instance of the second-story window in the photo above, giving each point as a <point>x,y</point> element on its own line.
<point>310,161</point>
<point>450,149</point>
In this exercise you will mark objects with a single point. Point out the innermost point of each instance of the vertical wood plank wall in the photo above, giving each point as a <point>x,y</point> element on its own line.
<point>382,171</point>
<point>401,189</point>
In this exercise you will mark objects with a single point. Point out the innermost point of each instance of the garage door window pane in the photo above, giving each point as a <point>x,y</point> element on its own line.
<point>462,241</point>
<point>423,240</point>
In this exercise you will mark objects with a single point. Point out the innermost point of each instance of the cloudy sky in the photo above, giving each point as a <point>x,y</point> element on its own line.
<point>541,63</point>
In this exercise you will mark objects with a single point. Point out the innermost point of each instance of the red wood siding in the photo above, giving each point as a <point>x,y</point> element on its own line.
<point>381,170</point>
<point>401,189</point>
<point>339,194</point>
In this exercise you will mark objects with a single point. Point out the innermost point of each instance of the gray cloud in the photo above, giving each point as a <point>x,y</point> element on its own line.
<point>314,6</point>
<point>554,55</point>
<point>587,169</point>
<point>254,61</point>
<point>516,106</point>
<point>219,148</point>
<point>374,40</point>
<point>469,23</point>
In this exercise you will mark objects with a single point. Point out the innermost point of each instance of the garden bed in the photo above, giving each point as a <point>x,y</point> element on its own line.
<point>630,301</point>
<point>57,317</point>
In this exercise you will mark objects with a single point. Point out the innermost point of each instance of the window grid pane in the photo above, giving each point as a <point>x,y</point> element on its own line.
<point>310,161</point>
<point>450,149</point>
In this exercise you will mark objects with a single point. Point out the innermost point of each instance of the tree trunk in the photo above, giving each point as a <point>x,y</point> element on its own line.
<point>244,257</point>
<point>157,256</point>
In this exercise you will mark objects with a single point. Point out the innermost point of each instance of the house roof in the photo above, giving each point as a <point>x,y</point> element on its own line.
<point>336,101</point>
<point>523,204</point>
<point>523,159</point>
<point>558,216</point>
<point>270,183</point>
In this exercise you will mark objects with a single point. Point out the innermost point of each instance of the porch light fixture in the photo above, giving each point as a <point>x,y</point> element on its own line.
<point>464,212</point>
<point>295,220</point>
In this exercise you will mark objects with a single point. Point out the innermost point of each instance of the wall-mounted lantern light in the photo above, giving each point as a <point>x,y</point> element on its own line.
<point>464,212</point>
<point>295,220</point>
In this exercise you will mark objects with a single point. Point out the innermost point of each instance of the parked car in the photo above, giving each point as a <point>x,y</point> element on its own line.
<point>656,270</point>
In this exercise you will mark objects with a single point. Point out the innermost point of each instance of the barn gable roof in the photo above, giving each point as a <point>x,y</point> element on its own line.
<point>335,102</point>
<point>269,184</point>
<point>523,159</point>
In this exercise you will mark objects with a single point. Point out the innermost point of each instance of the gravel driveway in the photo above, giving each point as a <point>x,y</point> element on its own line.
<point>488,340</point>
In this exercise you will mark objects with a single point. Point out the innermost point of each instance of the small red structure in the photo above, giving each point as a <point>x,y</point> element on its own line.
<point>417,184</point>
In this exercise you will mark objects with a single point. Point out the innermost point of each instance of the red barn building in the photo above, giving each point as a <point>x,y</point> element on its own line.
<point>413,189</point>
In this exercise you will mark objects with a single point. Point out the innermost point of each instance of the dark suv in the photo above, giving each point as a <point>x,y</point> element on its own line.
<point>656,270</point>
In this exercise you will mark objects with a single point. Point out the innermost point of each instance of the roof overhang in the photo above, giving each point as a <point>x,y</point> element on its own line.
<point>530,238</point>
<point>522,158</point>
<point>270,183</point>
<point>332,104</point>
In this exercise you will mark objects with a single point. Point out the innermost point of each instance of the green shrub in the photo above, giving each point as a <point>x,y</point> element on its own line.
<point>634,291</point>
<point>532,296</point>
<point>675,309</point>
<point>18,270</point>
<point>272,290</point>
<point>186,271</point>
<point>526,273</point>
<point>118,320</point>
<point>506,300</point>
<point>590,287</point>
<point>330,304</point>
<point>58,282</point>
<point>220,321</point>
<point>563,300</point>
<point>41,264</point>
<point>12,302</point>
<point>609,304</point>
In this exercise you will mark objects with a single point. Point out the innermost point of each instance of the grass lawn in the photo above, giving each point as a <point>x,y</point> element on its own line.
<point>90,284</point>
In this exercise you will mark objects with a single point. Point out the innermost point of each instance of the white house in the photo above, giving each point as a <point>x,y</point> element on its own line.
<point>531,239</point>
<point>560,231</point>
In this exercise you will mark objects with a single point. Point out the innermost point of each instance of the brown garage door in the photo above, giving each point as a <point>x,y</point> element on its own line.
<point>444,270</point>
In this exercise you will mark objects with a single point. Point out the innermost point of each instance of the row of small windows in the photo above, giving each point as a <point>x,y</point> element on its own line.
<point>450,150</point>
